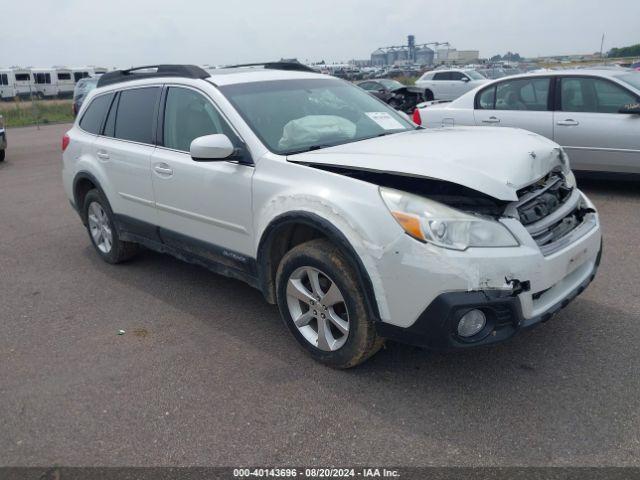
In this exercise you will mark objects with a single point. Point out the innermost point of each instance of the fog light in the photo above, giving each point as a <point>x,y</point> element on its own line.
<point>471,323</point>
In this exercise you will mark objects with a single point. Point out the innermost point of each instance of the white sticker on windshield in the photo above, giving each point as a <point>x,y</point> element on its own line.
<point>385,120</point>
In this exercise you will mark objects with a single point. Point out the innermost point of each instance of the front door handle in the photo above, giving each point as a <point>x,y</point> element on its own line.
<point>569,122</point>
<point>491,120</point>
<point>102,155</point>
<point>163,169</point>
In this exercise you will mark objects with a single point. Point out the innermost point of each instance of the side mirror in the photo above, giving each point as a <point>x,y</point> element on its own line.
<point>211,147</point>
<point>465,79</point>
<point>633,108</point>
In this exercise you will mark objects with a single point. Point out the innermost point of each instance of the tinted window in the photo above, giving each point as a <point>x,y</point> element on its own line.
<point>369,86</point>
<point>136,113</point>
<point>78,75</point>
<point>22,77</point>
<point>523,94</point>
<point>592,95</point>
<point>94,115</point>
<point>442,76</point>
<point>487,98</point>
<point>458,76</point>
<point>189,115</point>
<point>4,79</point>
<point>64,76</point>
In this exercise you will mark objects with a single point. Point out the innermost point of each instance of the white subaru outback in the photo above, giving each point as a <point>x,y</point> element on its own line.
<point>358,224</point>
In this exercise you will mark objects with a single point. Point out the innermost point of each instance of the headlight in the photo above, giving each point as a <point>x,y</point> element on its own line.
<point>433,222</point>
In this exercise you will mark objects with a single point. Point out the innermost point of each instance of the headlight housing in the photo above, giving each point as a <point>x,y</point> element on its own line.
<point>433,222</point>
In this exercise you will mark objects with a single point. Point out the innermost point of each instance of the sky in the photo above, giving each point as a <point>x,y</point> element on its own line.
<point>123,33</point>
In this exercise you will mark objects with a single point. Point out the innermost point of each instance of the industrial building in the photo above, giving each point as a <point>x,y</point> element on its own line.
<point>405,54</point>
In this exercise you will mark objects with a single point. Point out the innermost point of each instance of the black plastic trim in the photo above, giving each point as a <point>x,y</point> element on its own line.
<point>183,71</point>
<point>329,230</point>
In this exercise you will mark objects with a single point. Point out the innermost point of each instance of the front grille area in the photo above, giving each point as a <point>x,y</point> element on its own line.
<point>551,211</point>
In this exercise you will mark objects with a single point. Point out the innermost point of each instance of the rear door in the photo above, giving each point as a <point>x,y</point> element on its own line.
<point>124,152</point>
<point>520,103</point>
<point>458,84</point>
<point>587,124</point>
<point>203,206</point>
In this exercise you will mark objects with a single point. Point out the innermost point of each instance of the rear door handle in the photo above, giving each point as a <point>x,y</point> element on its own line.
<point>491,120</point>
<point>102,155</point>
<point>163,169</point>
<point>569,122</point>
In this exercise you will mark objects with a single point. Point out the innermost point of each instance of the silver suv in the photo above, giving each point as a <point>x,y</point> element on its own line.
<point>357,223</point>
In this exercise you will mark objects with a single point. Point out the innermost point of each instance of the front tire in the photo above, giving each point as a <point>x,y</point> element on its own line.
<point>102,232</point>
<point>323,305</point>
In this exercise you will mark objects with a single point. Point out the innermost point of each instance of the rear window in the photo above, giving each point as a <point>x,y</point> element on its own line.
<point>137,110</point>
<point>94,115</point>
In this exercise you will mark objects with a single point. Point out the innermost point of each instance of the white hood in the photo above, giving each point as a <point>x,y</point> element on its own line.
<point>495,161</point>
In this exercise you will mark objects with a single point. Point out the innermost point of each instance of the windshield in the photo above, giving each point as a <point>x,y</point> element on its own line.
<point>632,79</point>
<point>474,75</point>
<point>293,116</point>
<point>391,84</point>
<point>84,86</point>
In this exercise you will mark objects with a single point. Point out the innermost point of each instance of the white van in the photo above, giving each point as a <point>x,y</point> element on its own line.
<point>80,72</point>
<point>7,84</point>
<point>53,82</point>
<point>23,81</point>
<point>66,83</point>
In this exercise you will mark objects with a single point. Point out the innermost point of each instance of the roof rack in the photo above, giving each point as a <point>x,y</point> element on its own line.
<point>184,71</point>
<point>277,66</point>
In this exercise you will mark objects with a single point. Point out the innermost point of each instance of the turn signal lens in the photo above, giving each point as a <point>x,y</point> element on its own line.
<point>410,223</point>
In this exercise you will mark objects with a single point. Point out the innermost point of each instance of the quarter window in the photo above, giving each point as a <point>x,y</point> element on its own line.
<point>136,113</point>
<point>189,115</point>
<point>487,99</point>
<point>92,119</point>
<point>594,95</point>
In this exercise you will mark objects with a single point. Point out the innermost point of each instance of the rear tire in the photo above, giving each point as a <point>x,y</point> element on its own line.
<point>102,232</point>
<point>428,95</point>
<point>316,285</point>
<point>2,155</point>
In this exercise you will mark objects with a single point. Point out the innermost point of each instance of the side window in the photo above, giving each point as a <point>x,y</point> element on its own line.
<point>93,117</point>
<point>370,86</point>
<point>486,99</point>
<point>4,80</point>
<point>592,95</point>
<point>458,76</point>
<point>136,114</point>
<point>523,94</point>
<point>64,76</point>
<point>442,76</point>
<point>189,115</point>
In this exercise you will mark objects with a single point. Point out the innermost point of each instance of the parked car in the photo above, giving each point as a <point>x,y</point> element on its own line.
<point>3,139</point>
<point>398,96</point>
<point>449,84</point>
<point>359,225</point>
<point>81,90</point>
<point>594,114</point>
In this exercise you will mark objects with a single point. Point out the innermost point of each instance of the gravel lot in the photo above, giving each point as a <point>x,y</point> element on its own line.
<point>206,373</point>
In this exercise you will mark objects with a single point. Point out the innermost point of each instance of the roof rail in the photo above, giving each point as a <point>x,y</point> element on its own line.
<point>277,66</point>
<point>184,71</point>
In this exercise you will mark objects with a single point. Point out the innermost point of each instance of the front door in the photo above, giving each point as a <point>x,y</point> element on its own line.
<point>203,206</point>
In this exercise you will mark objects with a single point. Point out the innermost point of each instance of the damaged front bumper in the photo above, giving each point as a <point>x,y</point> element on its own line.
<point>436,327</point>
<point>428,289</point>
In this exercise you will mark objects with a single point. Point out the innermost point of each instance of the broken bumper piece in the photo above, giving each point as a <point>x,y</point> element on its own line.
<point>436,327</point>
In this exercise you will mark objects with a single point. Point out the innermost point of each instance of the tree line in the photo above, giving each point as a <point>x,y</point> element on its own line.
<point>631,51</point>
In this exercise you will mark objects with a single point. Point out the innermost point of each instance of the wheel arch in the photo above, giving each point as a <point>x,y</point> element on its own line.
<point>280,236</point>
<point>83,182</point>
